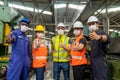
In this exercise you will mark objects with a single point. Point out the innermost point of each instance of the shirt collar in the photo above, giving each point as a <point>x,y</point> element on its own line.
<point>21,33</point>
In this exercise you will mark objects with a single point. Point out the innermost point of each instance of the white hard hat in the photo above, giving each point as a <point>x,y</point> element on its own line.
<point>78,24</point>
<point>60,24</point>
<point>92,19</point>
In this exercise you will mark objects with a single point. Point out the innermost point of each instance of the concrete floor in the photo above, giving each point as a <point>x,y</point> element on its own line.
<point>49,73</point>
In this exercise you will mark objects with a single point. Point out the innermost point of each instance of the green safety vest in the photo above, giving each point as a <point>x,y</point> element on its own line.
<point>59,54</point>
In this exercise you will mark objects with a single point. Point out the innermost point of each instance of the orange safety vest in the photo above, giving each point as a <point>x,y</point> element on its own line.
<point>39,56</point>
<point>78,57</point>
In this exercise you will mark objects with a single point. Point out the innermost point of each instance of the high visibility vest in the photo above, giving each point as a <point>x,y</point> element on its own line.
<point>78,57</point>
<point>59,54</point>
<point>39,56</point>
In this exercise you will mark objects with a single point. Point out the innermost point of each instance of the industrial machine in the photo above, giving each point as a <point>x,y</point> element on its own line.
<point>113,57</point>
<point>7,15</point>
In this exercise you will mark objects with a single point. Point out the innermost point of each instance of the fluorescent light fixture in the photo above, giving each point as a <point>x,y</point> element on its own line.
<point>109,10</point>
<point>111,30</point>
<point>46,31</point>
<point>66,30</point>
<point>73,6</point>
<point>1,3</point>
<point>57,6</point>
<point>51,33</point>
<point>27,8</point>
<point>29,35</point>
<point>119,32</point>
<point>47,12</point>
<point>31,29</point>
<point>115,31</point>
<point>83,2</point>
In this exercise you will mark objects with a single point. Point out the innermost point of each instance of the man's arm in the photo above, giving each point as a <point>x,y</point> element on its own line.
<point>80,45</point>
<point>11,37</point>
<point>94,36</point>
<point>67,48</point>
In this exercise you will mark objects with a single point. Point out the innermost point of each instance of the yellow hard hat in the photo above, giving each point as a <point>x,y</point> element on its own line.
<point>39,28</point>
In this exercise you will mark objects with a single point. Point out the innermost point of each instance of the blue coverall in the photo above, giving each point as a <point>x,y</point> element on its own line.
<point>100,70</point>
<point>19,64</point>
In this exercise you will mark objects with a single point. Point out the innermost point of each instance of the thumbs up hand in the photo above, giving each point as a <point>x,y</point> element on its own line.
<point>10,38</point>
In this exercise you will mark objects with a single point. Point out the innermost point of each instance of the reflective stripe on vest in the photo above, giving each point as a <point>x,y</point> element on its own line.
<point>77,57</point>
<point>60,55</point>
<point>60,51</point>
<point>40,57</point>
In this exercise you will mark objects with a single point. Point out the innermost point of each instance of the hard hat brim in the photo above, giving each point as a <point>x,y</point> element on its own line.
<point>38,30</point>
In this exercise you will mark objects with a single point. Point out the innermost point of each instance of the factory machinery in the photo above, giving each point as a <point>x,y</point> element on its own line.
<point>9,17</point>
<point>113,57</point>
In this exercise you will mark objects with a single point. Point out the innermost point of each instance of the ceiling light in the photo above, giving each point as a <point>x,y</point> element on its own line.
<point>56,6</point>
<point>73,6</point>
<point>51,33</point>
<point>83,2</point>
<point>115,31</point>
<point>47,12</point>
<point>109,10</point>
<point>111,30</point>
<point>1,3</point>
<point>119,32</point>
<point>26,8</point>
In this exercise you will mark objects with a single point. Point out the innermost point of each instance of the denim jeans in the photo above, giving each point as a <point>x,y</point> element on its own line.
<point>64,66</point>
<point>40,73</point>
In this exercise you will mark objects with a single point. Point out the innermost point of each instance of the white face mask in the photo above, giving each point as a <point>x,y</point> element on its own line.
<point>92,28</point>
<point>76,32</point>
<point>60,32</point>
<point>24,28</point>
<point>40,34</point>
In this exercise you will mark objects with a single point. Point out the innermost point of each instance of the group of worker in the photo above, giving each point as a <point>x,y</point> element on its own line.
<point>65,52</point>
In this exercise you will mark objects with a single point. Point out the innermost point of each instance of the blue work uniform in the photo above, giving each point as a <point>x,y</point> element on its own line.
<point>99,65</point>
<point>19,64</point>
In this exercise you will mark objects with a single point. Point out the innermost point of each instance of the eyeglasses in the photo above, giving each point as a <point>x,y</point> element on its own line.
<point>91,23</point>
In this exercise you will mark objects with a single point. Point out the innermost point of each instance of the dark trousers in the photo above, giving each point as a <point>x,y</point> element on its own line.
<point>79,72</point>
<point>61,66</point>
<point>40,73</point>
<point>100,70</point>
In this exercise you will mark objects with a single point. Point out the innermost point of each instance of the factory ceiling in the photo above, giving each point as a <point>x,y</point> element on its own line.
<point>51,12</point>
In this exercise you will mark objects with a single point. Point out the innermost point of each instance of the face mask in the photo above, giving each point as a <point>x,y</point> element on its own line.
<point>92,28</point>
<point>40,34</point>
<point>60,32</point>
<point>76,32</point>
<point>24,28</point>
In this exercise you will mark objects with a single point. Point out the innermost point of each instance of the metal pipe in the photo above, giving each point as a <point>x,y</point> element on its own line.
<point>107,18</point>
<point>6,2</point>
